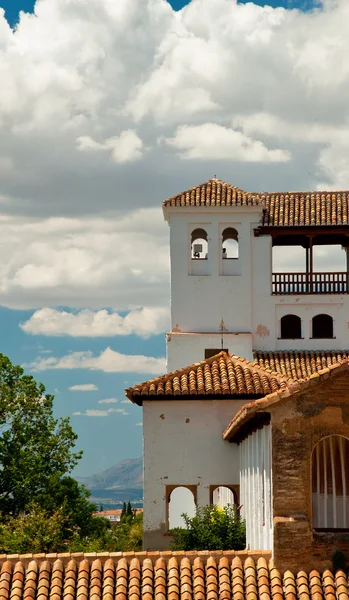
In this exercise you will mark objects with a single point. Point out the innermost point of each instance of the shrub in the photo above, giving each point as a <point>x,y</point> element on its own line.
<point>211,528</point>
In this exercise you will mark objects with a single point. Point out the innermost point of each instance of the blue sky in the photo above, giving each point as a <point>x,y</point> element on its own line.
<point>97,127</point>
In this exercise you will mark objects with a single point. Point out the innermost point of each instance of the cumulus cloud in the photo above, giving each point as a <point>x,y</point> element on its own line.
<point>126,147</point>
<point>108,361</point>
<point>108,401</point>
<point>143,322</point>
<point>212,141</point>
<point>92,412</point>
<point>86,262</point>
<point>83,104</point>
<point>84,387</point>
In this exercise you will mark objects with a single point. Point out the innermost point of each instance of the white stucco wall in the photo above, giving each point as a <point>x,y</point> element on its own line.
<point>183,446</point>
<point>185,348</point>
<point>244,300</point>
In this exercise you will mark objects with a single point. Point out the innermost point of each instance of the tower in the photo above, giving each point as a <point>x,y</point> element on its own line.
<point>225,293</point>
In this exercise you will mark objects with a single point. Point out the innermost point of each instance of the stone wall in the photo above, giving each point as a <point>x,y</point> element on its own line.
<point>298,424</point>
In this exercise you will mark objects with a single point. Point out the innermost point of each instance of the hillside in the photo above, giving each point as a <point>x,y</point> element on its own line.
<point>127,474</point>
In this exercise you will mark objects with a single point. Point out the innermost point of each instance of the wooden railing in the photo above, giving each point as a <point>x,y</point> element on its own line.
<point>306,283</point>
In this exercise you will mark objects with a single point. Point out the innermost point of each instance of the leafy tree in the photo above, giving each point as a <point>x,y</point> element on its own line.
<point>123,512</point>
<point>129,509</point>
<point>66,495</point>
<point>130,533</point>
<point>35,447</point>
<point>38,531</point>
<point>211,528</point>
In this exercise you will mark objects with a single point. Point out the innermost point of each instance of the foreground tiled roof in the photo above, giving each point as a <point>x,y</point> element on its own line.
<point>250,410</point>
<point>171,576</point>
<point>223,374</point>
<point>278,209</point>
<point>299,364</point>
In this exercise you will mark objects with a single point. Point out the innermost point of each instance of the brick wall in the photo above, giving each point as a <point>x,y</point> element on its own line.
<point>297,425</point>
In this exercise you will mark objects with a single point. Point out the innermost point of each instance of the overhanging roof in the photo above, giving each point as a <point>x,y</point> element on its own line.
<point>249,411</point>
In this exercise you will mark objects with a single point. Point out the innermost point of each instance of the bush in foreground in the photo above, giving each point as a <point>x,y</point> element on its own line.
<point>212,528</point>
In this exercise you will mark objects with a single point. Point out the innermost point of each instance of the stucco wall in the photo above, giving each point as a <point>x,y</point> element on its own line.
<point>183,446</point>
<point>184,349</point>
<point>244,300</point>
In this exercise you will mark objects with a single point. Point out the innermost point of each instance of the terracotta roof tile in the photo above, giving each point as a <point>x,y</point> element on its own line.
<point>220,375</point>
<point>213,193</point>
<point>263,405</point>
<point>299,364</point>
<point>279,209</point>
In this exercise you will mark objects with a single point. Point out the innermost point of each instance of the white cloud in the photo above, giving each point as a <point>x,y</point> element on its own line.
<point>139,424</point>
<point>92,412</point>
<point>212,141</point>
<point>108,401</point>
<point>82,99</point>
<point>125,401</point>
<point>126,147</point>
<point>84,387</point>
<point>87,323</point>
<point>108,361</point>
<point>86,262</point>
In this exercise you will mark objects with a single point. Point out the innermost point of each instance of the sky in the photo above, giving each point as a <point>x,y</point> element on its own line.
<point>97,127</point>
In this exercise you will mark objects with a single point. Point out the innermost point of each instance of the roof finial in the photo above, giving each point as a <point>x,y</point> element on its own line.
<point>214,176</point>
<point>222,329</point>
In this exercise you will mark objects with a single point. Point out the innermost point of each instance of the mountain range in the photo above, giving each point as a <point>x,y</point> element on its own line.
<point>118,484</point>
<point>125,474</point>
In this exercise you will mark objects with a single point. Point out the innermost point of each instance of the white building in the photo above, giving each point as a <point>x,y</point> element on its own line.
<point>225,295</point>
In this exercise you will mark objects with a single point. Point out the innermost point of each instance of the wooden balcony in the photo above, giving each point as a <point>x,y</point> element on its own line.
<point>310,283</point>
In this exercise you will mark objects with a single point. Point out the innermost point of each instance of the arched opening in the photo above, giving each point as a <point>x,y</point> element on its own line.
<point>199,244</point>
<point>330,483</point>
<point>181,501</point>
<point>291,327</point>
<point>230,243</point>
<point>223,496</point>
<point>322,327</point>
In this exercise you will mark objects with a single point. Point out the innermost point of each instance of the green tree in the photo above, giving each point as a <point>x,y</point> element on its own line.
<point>129,512</point>
<point>38,531</point>
<point>211,528</point>
<point>66,495</point>
<point>130,533</point>
<point>34,446</point>
<point>123,512</point>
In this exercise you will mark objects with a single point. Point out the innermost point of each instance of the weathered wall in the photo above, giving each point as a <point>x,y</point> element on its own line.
<point>183,446</point>
<point>297,425</point>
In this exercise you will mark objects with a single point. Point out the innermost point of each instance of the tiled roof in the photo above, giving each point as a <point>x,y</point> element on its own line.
<point>278,209</point>
<point>214,193</point>
<point>223,374</point>
<point>299,364</point>
<point>172,575</point>
<point>287,209</point>
<point>249,411</point>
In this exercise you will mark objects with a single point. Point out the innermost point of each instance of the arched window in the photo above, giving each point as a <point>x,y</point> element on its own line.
<point>181,501</point>
<point>230,243</point>
<point>199,244</point>
<point>330,483</point>
<point>291,327</point>
<point>223,496</point>
<point>322,327</point>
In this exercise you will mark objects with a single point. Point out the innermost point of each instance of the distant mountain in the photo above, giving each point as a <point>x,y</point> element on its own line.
<point>127,474</point>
